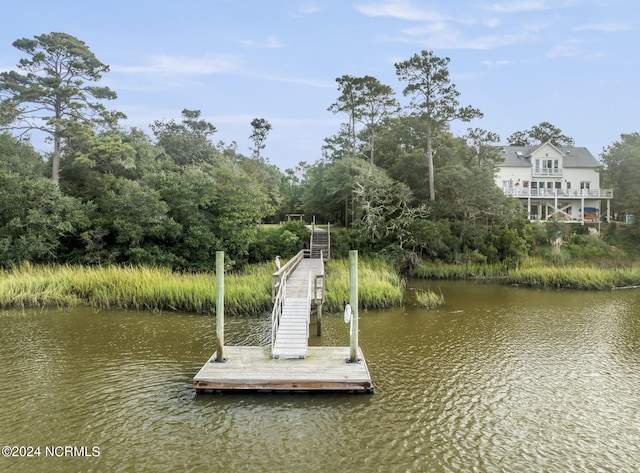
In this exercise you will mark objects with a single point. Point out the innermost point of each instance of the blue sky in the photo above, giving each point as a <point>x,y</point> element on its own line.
<point>573,63</point>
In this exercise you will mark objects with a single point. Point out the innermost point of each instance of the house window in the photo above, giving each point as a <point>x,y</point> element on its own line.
<point>585,184</point>
<point>558,184</point>
<point>568,185</point>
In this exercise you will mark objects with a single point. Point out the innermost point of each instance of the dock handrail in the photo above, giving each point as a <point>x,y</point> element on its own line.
<point>278,306</point>
<point>283,273</point>
<point>308,309</point>
<point>318,283</point>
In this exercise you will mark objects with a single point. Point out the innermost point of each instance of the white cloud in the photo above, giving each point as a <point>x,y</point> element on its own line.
<point>400,9</point>
<point>443,35</point>
<point>492,22</point>
<point>519,6</point>
<point>182,65</point>
<point>568,49</point>
<point>317,83</point>
<point>437,30</point>
<point>271,42</point>
<point>607,27</point>
<point>498,62</point>
<point>309,8</point>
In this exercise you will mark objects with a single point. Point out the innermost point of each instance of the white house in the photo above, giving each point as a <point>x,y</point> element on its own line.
<point>561,183</point>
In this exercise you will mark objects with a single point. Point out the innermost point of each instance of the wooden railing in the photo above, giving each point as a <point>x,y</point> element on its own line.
<point>283,273</point>
<point>308,310</point>
<point>318,284</point>
<point>278,306</point>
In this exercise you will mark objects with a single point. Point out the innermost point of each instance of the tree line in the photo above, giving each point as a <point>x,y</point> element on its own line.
<point>396,179</point>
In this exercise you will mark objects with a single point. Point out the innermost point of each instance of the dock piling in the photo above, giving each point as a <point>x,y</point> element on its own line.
<point>353,301</point>
<point>220,306</point>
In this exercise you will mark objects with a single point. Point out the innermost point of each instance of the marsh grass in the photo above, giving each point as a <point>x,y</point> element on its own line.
<point>429,299</point>
<point>247,292</point>
<point>539,273</point>
<point>138,288</point>
<point>379,286</point>
<point>439,270</point>
<point>576,277</point>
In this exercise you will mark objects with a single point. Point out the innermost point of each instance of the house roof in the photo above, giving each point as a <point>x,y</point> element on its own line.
<point>573,157</point>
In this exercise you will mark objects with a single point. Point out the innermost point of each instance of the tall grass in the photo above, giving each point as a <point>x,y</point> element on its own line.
<point>438,270</point>
<point>539,273</point>
<point>157,289</point>
<point>139,288</point>
<point>429,299</point>
<point>576,277</point>
<point>379,286</point>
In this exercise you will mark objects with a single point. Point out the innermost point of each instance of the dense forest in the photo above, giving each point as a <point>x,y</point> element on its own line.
<point>393,180</point>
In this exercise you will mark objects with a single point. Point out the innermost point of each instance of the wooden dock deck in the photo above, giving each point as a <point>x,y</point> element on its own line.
<point>254,369</point>
<point>289,364</point>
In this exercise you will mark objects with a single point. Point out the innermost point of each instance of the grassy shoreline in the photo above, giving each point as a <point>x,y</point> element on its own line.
<point>537,273</point>
<point>249,292</point>
<point>158,289</point>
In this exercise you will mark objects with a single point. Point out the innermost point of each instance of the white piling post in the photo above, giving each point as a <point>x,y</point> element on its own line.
<point>353,301</point>
<point>220,305</point>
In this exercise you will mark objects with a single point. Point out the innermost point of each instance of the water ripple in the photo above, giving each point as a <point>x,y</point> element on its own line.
<point>480,387</point>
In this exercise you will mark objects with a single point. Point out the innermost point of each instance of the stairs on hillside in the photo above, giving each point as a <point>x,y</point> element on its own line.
<point>320,243</point>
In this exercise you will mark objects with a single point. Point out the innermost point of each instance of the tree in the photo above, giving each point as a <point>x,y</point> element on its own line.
<point>55,90</point>
<point>544,132</point>
<point>368,102</point>
<point>261,129</point>
<point>20,157</point>
<point>36,219</point>
<point>622,173</point>
<point>385,206</point>
<point>348,103</point>
<point>433,97</point>
<point>187,142</point>
<point>519,138</point>
<point>484,144</point>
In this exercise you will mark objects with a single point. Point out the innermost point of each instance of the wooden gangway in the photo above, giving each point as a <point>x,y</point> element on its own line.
<point>295,289</point>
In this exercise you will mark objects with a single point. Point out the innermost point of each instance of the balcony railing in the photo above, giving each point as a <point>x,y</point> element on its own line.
<point>561,193</point>
<point>548,172</point>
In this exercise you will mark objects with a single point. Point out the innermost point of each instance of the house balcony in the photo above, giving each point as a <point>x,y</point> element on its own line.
<point>559,193</point>
<point>547,172</point>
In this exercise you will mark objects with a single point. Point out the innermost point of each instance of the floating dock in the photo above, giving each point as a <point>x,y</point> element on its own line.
<point>254,369</point>
<point>289,364</point>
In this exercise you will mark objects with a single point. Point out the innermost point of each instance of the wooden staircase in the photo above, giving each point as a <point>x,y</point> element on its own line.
<point>320,244</point>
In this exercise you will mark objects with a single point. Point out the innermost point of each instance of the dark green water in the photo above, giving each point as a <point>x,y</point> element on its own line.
<point>502,379</point>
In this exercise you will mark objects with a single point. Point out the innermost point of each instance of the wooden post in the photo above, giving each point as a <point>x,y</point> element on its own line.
<point>220,306</point>
<point>328,241</point>
<point>353,301</point>
<point>319,320</point>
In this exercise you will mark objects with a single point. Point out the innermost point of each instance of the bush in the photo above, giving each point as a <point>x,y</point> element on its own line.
<point>587,247</point>
<point>285,240</point>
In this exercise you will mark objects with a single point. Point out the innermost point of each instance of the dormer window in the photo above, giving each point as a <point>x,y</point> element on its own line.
<point>547,167</point>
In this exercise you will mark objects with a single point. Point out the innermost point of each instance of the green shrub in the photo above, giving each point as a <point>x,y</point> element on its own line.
<point>429,299</point>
